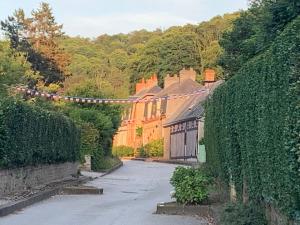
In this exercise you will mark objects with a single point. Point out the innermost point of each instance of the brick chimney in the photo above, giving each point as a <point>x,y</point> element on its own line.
<point>186,74</point>
<point>149,83</point>
<point>209,77</point>
<point>152,81</point>
<point>168,81</point>
<point>140,86</point>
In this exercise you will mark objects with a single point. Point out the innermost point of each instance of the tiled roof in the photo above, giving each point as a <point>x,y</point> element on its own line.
<point>184,87</point>
<point>150,91</point>
<point>192,109</point>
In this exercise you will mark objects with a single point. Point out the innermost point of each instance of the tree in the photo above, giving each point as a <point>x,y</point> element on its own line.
<point>14,69</point>
<point>255,31</point>
<point>119,59</point>
<point>209,34</point>
<point>167,54</point>
<point>238,45</point>
<point>36,37</point>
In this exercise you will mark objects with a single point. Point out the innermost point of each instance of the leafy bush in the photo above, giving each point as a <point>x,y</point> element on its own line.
<point>191,185</point>
<point>152,149</point>
<point>32,136</point>
<point>98,124</point>
<point>102,163</point>
<point>123,151</point>
<point>252,126</point>
<point>141,152</point>
<point>97,159</point>
<point>89,140</point>
<point>239,214</point>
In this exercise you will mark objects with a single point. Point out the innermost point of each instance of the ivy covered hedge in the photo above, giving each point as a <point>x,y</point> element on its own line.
<point>32,136</point>
<point>252,126</point>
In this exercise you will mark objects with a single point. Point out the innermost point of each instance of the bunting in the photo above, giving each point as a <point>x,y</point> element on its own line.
<point>56,97</point>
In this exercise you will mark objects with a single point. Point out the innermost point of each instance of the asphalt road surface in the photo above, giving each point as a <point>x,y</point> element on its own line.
<point>130,197</point>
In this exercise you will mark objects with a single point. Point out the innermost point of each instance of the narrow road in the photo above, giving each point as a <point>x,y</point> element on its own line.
<point>130,197</point>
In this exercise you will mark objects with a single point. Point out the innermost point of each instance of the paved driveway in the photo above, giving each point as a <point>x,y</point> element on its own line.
<point>130,197</point>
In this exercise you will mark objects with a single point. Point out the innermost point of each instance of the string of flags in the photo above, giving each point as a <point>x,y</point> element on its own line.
<point>57,97</point>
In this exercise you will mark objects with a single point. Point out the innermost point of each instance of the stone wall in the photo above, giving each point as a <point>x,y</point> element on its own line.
<point>22,179</point>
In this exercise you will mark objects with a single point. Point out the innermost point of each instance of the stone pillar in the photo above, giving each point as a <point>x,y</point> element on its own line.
<point>87,163</point>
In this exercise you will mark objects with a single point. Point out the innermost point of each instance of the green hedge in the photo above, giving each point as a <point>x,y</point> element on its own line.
<point>252,126</point>
<point>89,140</point>
<point>152,149</point>
<point>32,136</point>
<point>123,151</point>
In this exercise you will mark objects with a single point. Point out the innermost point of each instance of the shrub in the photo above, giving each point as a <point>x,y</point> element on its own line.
<point>239,214</point>
<point>98,124</point>
<point>123,151</point>
<point>89,140</point>
<point>155,148</point>
<point>152,149</point>
<point>97,160</point>
<point>191,185</point>
<point>141,152</point>
<point>32,136</point>
<point>109,162</point>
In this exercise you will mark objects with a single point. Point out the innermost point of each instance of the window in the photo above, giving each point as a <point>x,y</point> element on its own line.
<point>146,110</point>
<point>154,108</point>
<point>163,108</point>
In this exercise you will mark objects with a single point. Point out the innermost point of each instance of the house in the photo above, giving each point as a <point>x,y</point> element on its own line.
<point>185,128</point>
<point>172,113</point>
<point>134,116</point>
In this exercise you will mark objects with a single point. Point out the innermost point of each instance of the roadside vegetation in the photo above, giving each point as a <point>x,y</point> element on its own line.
<point>252,120</point>
<point>242,214</point>
<point>123,151</point>
<point>30,136</point>
<point>191,185</point>
<point>153,149</point>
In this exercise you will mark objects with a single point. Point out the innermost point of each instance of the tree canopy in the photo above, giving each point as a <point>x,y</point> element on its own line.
<point>36,36</point>
<point>255,31</point>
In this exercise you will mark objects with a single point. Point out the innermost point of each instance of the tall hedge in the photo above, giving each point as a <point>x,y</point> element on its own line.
<point>32,136</point>
<point>252,126</point>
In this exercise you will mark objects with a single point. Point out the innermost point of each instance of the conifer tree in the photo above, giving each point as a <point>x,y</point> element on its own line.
<point>36,36</point>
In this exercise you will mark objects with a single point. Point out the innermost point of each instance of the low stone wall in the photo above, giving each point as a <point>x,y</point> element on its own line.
<point>22,179</point>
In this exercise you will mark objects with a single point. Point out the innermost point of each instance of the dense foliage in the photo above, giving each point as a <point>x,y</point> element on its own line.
<point>105,163</point>
<point>255,31</point>
<point>240,214</point>
<point>252,126</point>
<point>36,37</point>
<point>120,60</point>
<point>13,68</point>
<point>191,185</point>
<point>152,149</point>
<point>99,122</point>
<point>32,136</point>
<point>123,151</point>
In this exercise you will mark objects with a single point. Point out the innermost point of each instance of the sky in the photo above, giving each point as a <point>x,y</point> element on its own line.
<point>91,18</point>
